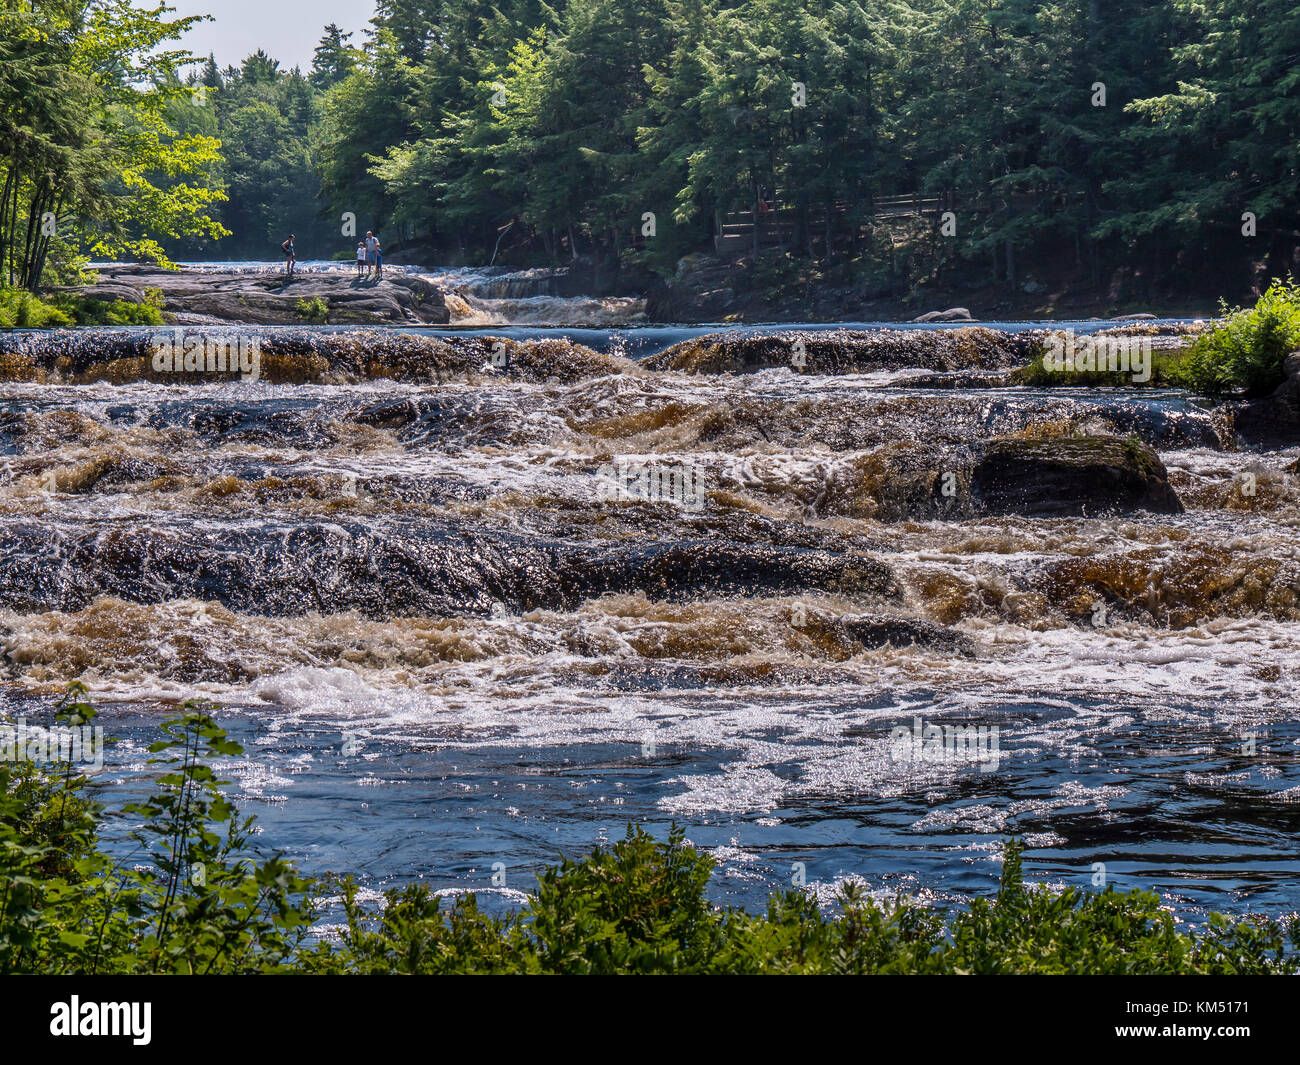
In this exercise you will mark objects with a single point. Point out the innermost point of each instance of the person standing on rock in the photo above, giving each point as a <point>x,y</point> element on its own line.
<point>379,260</point>
<point>372,250</point>
<point>290,260</point>
<point>361,257</point>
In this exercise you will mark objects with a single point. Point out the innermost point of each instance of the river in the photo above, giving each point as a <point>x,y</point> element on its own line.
<point>450,650</point>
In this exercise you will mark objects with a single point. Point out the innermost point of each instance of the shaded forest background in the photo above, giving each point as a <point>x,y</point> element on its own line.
<point>1135,147</point>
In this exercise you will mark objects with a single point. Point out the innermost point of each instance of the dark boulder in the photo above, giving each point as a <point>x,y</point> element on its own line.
<point>875,630</point>
<point>1065,476</point>
<point>1072,476</point>
<point>1274,421</point>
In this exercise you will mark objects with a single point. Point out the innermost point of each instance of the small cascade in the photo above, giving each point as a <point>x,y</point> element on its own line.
<point>482,296</point>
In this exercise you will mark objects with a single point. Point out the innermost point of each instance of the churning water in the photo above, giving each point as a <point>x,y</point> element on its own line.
<point>473,616</point>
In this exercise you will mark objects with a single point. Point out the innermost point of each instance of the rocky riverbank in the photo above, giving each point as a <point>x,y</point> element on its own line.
<point>212,297</point>
<point>705,289</point>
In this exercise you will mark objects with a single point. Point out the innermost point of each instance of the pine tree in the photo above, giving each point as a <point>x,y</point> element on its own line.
<point>333,59</point>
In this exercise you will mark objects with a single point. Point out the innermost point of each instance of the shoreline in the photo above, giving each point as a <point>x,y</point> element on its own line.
<point>472,299</point>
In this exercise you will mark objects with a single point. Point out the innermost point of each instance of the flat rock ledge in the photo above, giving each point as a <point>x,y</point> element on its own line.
<point>201,297</point>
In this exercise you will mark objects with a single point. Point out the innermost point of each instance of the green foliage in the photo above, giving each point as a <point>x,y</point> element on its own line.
<point>314,310</point>
<point>559,125</point>
<point>21,310</point>
<point>636,907</point>
<point>88,156</point>
<point>535,131</point>
<point>85,310</point>
<point>1247,351</point>
<point>194,898</point>
<point>640,907</point>
<point>204,904</point>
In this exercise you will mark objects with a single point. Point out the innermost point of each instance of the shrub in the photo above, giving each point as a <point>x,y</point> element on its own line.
<point>88,311</point>
<point>199,903</point>
<point>314,310</point>
<point>1245,353</point>
<point>20,309</point>
<point>23,310</point>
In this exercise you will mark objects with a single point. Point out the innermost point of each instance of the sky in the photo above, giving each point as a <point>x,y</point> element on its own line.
<point>287,30</point>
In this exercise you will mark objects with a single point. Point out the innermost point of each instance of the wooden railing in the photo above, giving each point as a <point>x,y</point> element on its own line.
<point>777,225</point>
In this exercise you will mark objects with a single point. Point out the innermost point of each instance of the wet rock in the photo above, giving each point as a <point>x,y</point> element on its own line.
<point>398,568</point>
<point>215,419</point>
<point>849,351</point>
<point>916,483</point>
<point>873,630</point>
<point>703,288</point>
<point>299,356</point>
<point>1086,475</point>
<point>1083,476</point>
<point>1275,420</point>
<point>1142,316</point>
<point>952,314</point>
<point>387,415</point>
<point>958,380</point>
<point>685,570</point>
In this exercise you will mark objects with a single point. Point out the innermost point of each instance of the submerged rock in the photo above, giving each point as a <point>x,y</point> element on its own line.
<point>849,351</point>
<point>677,570</point>
<point>874,630</point>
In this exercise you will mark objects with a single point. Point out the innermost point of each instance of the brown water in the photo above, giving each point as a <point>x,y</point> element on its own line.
<point>533,651</point>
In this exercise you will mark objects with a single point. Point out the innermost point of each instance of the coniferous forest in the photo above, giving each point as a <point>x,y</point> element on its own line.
<point>1135,147</point>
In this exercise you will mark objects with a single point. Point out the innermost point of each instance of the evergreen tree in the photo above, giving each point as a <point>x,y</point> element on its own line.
<point>334,59</point>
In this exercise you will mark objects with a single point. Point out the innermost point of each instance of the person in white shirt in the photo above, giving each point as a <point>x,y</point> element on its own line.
<point>372,251</point>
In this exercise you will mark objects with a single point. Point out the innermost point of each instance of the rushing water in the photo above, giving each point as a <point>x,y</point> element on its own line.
<point>445,644</point>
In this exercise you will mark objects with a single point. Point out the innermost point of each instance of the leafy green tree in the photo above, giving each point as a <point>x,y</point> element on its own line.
<point>84,130</point>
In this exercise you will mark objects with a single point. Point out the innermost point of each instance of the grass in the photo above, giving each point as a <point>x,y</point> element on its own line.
<point>195,898</point>
<point>1165,373</point>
